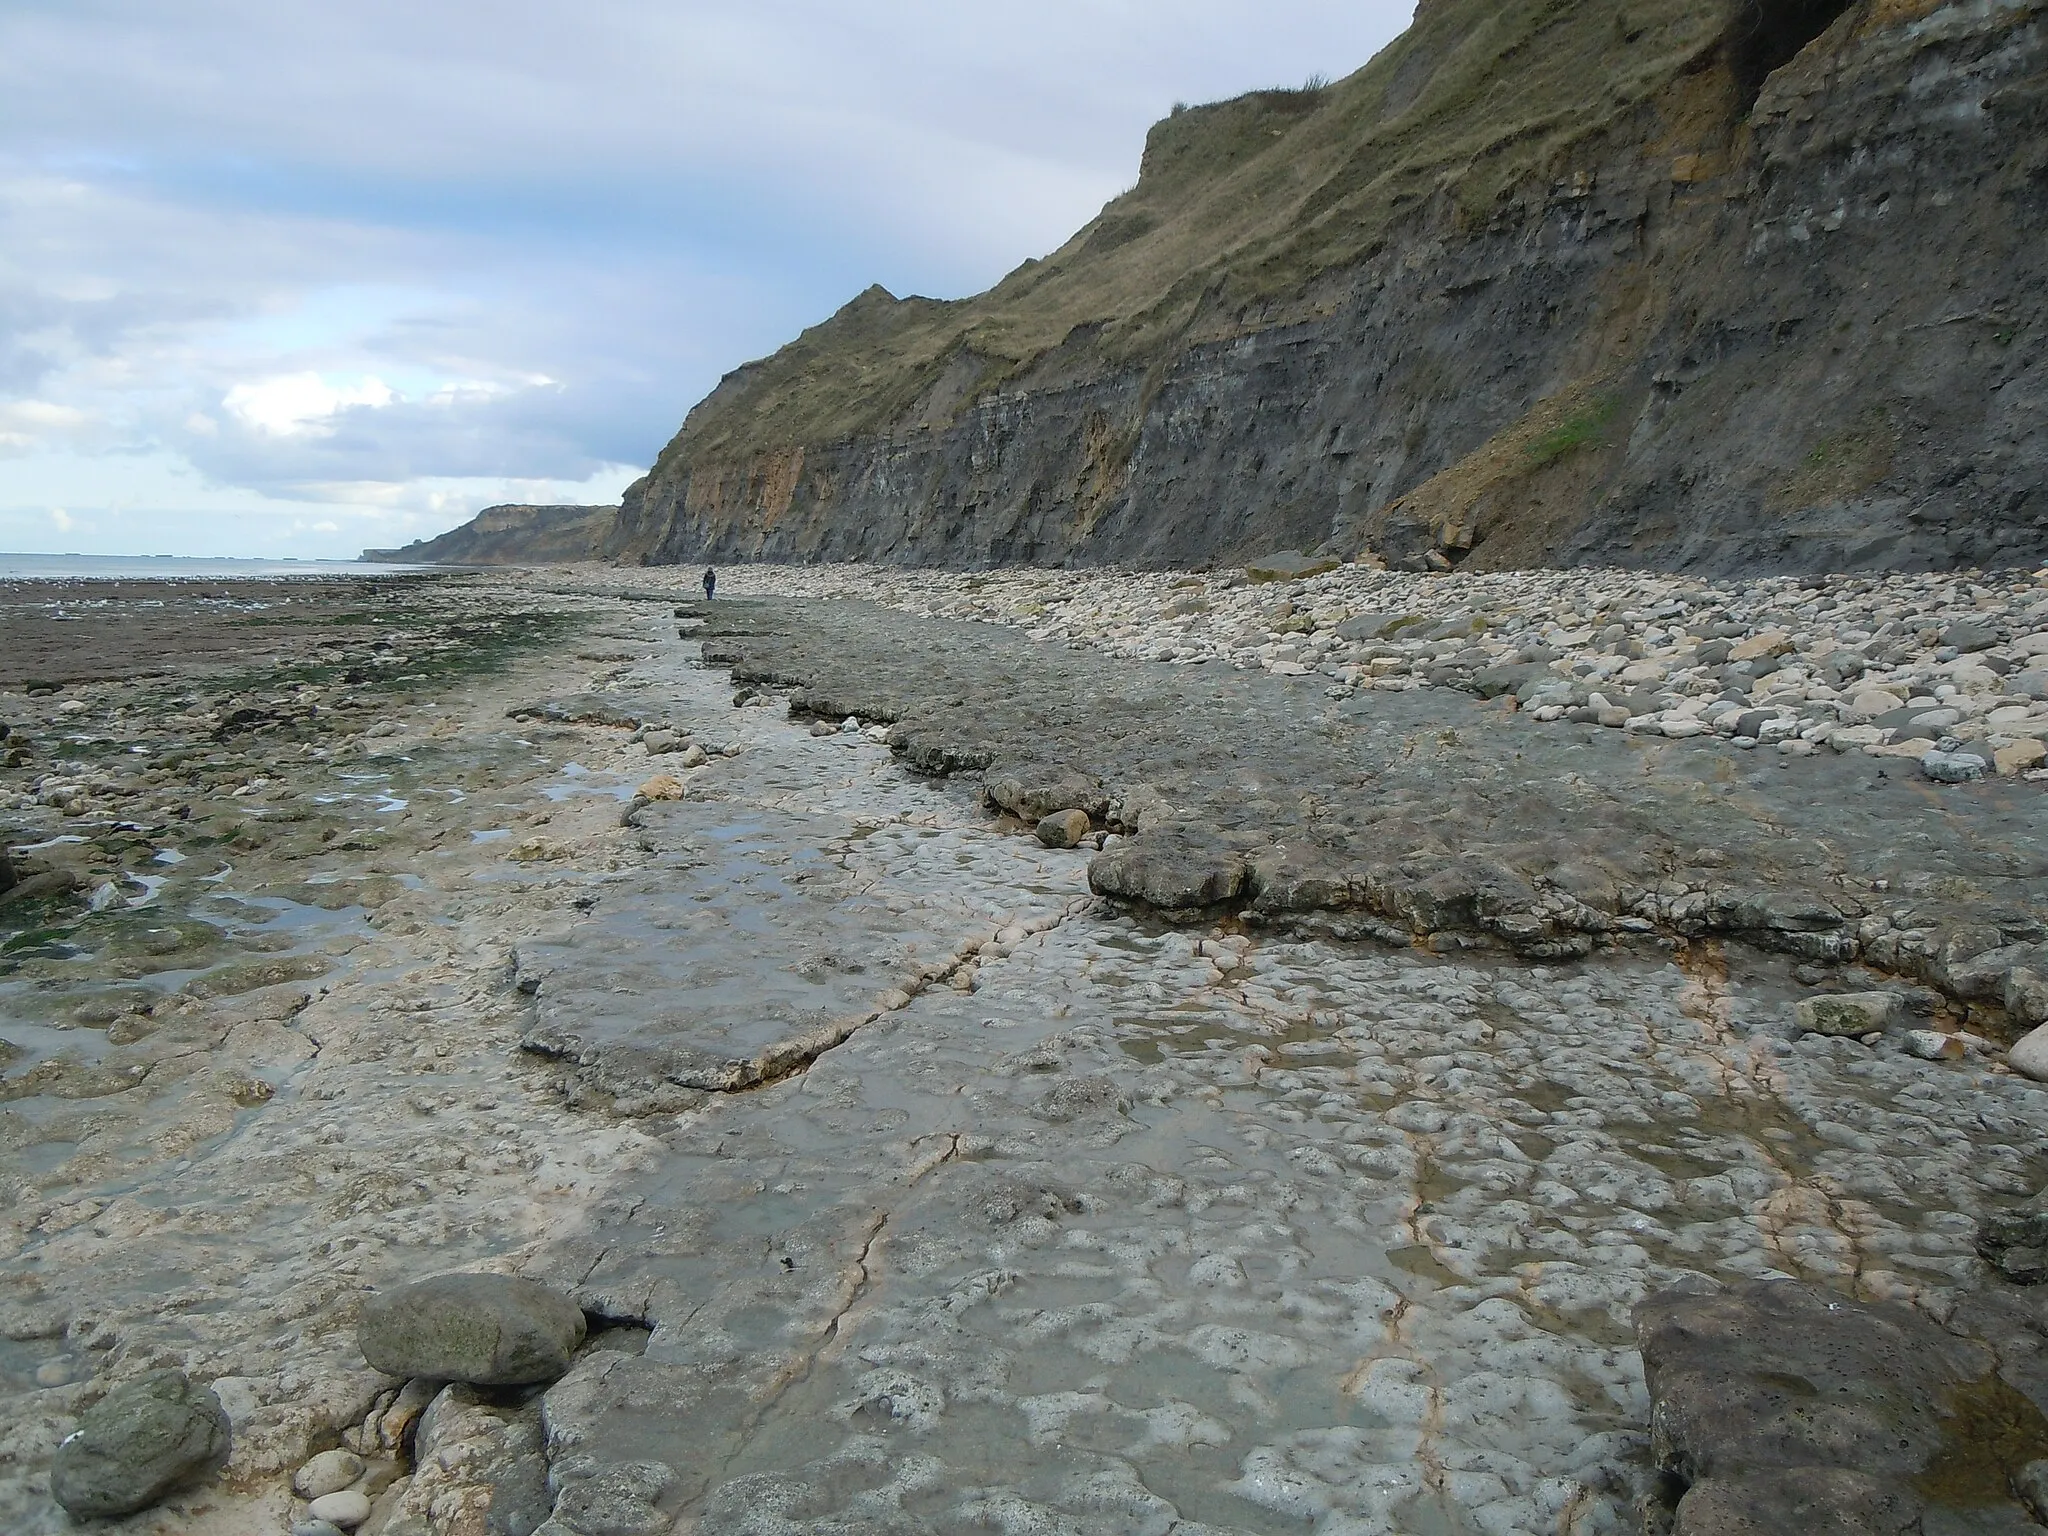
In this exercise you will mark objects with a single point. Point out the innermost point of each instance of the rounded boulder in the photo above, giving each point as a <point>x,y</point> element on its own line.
<point>1064,829</point>
<point>489,1330</point>
<point>137,1443</point>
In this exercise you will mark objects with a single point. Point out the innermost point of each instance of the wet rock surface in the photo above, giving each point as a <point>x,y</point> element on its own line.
<point>137,1443</point>
<point>910,1184</point>
<point>1784,1407</point>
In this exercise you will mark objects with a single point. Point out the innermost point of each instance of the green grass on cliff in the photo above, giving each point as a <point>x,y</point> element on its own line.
<point>1239,207</point>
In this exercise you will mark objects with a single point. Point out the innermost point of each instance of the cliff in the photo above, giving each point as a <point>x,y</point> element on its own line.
<point>512,535</point>
<point>1758,284</point>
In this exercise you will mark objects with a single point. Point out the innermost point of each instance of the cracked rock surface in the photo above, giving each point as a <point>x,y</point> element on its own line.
<point>909,1185</point>
<point>1427,815</point>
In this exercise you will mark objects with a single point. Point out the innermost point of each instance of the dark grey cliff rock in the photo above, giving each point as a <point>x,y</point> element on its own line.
<point>1788,321</point>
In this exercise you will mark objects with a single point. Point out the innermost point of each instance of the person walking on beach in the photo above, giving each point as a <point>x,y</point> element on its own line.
<point>710,583</point>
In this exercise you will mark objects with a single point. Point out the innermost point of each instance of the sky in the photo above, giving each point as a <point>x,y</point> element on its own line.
<point>288,278</point>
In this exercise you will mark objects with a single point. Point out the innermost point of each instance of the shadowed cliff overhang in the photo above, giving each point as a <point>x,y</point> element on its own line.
<point>1766,35</point>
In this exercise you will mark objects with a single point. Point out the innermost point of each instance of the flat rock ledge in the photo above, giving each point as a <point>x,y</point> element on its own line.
<point>1425,817</point>
<point>1780,1407</point>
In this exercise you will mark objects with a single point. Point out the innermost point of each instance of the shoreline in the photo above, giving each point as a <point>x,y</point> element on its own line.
<point>867,1136</point>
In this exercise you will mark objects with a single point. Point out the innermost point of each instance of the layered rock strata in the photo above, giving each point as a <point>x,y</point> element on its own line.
<point>1682,286</point>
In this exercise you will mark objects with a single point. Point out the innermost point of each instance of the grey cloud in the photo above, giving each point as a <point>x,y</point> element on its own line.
<point>626,198</point>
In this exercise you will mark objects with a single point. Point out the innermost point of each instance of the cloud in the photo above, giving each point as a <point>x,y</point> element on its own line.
<point>301,403</point>
<point>24,424</point>
<point>296,246</point>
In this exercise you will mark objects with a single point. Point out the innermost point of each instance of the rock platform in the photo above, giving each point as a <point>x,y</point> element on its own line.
<point>906,1182</point>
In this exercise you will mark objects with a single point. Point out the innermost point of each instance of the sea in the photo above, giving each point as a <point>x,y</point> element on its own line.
<point>180,568</point>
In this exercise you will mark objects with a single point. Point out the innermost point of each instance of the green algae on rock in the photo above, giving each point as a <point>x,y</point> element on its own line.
<point>137,1443</point>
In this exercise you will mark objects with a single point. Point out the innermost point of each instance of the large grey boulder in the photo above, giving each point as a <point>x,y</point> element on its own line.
<point>137,1443</point>
<point>490,1330</point>
<point>1782,1407</point>
<point>1847,1013</point>
<point>1175,868</point>
<point>1063,829</point>
<point>1033,791</point>
<point>2030,1055</point>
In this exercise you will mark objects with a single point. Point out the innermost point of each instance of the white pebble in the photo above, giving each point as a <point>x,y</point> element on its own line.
<point>347,1509</point>
<point>329,1472</point>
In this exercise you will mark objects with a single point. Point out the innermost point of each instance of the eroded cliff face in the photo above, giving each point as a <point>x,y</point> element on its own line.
<point>512,535</point>
<point>1722,290</point>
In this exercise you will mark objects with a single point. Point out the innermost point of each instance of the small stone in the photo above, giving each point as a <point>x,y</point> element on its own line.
<point>138,1443</point>
<point>2030,1055</point>
<point>1063,829</point>
<point>315,1528</point>
<point>695,756</point>
<point>347,1509</point>
<point>1933,1045</point>
<point>2019,757</point>
<point>1872,702</point>
<point>1848,1014</point>
<point>492,1330</point>
<point>2015,1243</point>
<point>824,728</point>
<point>1953,767</point>
<point>1769,643</point>
<point>1968,635</point>
<point>663,786</point>
<point>53,1373</point>
<point>387,1430</point>
<point>1290,565</point>
<point>329,1472</point>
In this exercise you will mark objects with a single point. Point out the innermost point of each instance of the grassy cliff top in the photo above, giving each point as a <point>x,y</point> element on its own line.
<point>1239,205</point>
